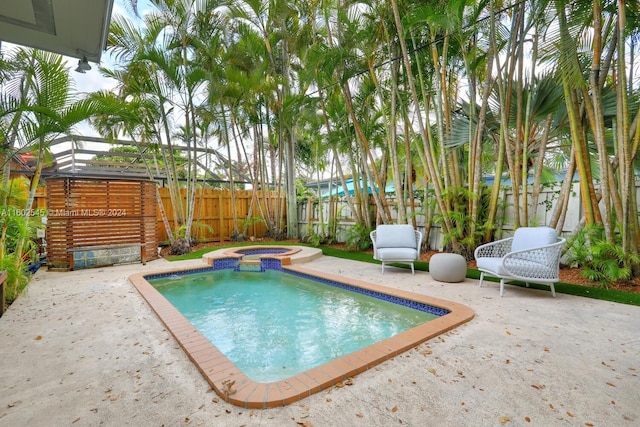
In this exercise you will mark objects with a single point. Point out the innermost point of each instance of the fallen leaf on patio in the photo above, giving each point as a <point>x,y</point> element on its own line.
<point>537,387</point>
<point>75,421</point>
<point>527,419</point>
<point>610,384</point>
<point>304,423</point>
<point>507,361</point>
<point>187,420</point>
<point>569,414</point>
<point>426,352</point>
<point>394,409</point>
<point>432,370</point>
<point>551,406</point>
<point>359,415</point>
<point>588,424</point>
<point>508,333</point>
<point>38,338</point>
<point>504,419</point>
<point>329,399</point>
<point>228,387</point>
<point>348,381</point>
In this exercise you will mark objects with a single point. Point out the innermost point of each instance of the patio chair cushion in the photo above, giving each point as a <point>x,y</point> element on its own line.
<point>391,254</point>
<point>533,237</point>
<point>491,264</point>
<point>396,236</point>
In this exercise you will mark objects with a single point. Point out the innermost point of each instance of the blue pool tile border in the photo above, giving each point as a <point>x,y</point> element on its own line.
<point>378,295</point>
<point>276,264</point>
<point>178,273</point>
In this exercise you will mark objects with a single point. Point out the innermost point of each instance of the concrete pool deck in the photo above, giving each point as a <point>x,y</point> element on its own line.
<point>83,348</point>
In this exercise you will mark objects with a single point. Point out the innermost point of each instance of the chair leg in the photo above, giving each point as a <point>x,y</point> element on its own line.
<point>553,290</point>
<point>501,287</point>
<point>382,267</point>
<point>412,270</point>
<point>481,278</point>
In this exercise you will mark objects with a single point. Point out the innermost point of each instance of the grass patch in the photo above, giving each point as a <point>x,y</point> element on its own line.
<point>562,288</point>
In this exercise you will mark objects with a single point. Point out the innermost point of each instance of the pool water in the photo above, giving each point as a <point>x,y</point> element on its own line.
<point>273,325</point>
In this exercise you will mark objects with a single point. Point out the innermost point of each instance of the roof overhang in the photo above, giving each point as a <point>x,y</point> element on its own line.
<point>76,28</point>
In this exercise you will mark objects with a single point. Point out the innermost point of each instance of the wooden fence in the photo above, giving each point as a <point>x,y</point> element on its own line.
<point>336,212</point>
<point>214,220</point>
<point>213,213</point>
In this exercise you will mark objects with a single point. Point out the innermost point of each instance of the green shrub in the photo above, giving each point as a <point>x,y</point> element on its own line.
<point>358,238</point>
<point>601,261</point>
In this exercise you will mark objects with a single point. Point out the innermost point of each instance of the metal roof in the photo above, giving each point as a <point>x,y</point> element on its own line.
<point>76,28</point>
<point>74,156</point>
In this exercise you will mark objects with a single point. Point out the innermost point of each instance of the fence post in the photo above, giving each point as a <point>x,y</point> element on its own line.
<point>3,278</point>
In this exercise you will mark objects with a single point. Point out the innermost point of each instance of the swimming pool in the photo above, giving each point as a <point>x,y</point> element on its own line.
<point>229,382</point>
<point>273,324</point>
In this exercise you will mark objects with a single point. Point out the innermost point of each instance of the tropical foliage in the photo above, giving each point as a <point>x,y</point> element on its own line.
<point>430,96</point>
<point>38,103</point>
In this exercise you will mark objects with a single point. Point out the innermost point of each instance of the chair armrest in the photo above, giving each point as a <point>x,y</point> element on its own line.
<point>372,235</point>
<point>418,240</point>
<point>541,263</point>
<point>496,249</point>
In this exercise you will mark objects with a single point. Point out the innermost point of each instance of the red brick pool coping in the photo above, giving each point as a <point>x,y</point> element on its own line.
<point>236,388</point>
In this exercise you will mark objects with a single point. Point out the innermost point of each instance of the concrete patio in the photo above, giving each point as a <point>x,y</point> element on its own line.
<point>82,348</point>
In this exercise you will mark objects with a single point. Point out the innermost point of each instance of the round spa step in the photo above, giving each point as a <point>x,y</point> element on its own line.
<point>447,267</point>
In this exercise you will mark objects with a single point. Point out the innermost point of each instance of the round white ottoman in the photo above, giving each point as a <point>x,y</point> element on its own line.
<point>448,267</point>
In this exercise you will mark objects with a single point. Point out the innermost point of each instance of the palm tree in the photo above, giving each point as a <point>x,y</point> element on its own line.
<point>39,104</point>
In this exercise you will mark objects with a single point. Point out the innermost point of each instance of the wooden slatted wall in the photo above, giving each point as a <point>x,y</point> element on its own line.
<point>91,212</point>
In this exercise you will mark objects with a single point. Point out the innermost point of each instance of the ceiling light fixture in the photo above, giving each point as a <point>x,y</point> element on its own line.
<point>83,65</point>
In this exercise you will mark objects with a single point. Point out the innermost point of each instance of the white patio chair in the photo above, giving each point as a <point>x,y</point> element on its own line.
<point>396,243</point>
<point>532,255</point>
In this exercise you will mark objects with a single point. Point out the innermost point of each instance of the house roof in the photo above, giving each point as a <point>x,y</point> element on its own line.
<point>75,28</point>
<point>340,191</point>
